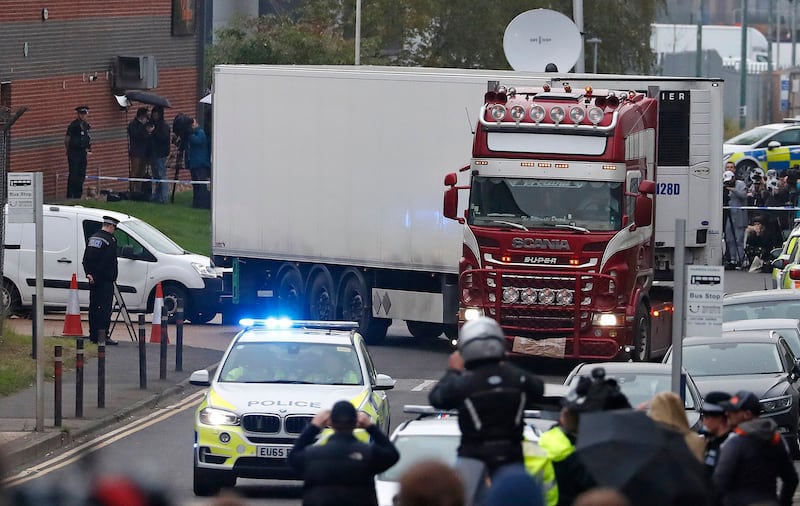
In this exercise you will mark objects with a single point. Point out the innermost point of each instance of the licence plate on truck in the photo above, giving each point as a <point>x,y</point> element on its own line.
<point>273,451</point>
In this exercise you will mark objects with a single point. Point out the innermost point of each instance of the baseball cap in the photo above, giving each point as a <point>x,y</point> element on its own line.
<point>712,403</point>
<point>742,401</point>
<point>728,175</point>
<point>343,413</point>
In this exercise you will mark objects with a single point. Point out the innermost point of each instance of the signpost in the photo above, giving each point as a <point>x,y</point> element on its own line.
<point>704,291</point>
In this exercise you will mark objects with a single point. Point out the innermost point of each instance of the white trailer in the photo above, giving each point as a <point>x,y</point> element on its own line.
<point>328,185</point>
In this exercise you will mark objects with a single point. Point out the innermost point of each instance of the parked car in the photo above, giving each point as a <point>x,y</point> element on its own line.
<point>758,304</point>
<point>773,146</point>
<point>786,258</point>
<point>788,328</point>
<point>273,378</point>
<point>762,364</point>
<point>641,381</point>
<point>146,257</point>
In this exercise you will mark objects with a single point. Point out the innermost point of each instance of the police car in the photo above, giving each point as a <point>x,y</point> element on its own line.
<point>786,266</point>
<point>774,146</point>
<point>273,378</point>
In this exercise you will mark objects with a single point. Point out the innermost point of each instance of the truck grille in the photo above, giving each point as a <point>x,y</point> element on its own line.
<point>268,424</point>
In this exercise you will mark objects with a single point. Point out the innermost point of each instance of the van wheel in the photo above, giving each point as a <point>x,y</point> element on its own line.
<point>10,300</point>
<point>171,295</point>
<point>356,303</point>
<point>321,297</point>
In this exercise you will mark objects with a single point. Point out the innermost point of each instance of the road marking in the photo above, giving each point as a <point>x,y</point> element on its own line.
<point>102,441</point>
<point>422,386</point>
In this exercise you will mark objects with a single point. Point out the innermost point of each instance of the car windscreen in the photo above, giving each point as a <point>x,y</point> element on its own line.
<point>415,449</point>
<point>778,308</point>
<point>292,362</point>
<point>152,236</point>
<point>641,387</point>
<point>725,359</point>
<point>750,136</point>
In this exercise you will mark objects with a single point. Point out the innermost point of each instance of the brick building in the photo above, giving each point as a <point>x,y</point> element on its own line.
<point>55,56</point>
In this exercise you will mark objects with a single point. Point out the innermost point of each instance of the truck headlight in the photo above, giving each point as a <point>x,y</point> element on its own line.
<point>774,404</point>
<point>206,271</point>
<point>471,313</point>
<point>605,319</point>
<point>214,416</point>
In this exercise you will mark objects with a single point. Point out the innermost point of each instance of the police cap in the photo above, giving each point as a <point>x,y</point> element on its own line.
<point>82,109</point>
<point>110,220</point>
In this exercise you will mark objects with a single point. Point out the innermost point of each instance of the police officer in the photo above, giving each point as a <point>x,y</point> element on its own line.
<point>100,264</point>
<point>77,143</point>
<point>341,471</point>
<point>490,395</point>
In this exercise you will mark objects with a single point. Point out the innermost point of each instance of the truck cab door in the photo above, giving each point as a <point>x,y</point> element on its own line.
<point>133,262</point>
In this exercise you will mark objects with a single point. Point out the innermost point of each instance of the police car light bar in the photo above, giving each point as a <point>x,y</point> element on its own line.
<point>286,323</point>
<point>424,410</point>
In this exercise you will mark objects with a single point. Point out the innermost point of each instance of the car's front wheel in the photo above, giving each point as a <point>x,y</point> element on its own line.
<point>744,168</point>
<point>208,482</point>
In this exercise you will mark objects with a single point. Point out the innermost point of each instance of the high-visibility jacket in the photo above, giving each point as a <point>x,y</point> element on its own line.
<point>539,464</point>
<point>571,475</point>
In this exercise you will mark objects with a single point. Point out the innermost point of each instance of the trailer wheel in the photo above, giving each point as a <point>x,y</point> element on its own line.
<point>424,330</point>
<point>356,304</point>
<point>290,293</point>
<point>641,334</point>
<point>321,297</point>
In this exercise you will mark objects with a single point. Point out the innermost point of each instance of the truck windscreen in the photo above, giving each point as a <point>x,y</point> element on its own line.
<point>545,203</point>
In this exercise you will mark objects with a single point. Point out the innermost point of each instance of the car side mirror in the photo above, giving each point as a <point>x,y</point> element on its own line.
<point>200,378</point>
<point>773,145</point>
<point>779,264</point>
<point>383,382</point>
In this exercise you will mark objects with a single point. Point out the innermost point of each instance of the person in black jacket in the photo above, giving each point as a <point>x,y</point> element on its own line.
<point>78,144</point>
<point>343,469</point>
<point>753,458</point>
<point>489,394</point>
<point>716,427</point>
<point>100,265</point>
<point>159,151</point>
<point>138,149</point>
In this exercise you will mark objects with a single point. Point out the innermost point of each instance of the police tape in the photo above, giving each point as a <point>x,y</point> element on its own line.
<point>763,208</point>
<point>148,180</point>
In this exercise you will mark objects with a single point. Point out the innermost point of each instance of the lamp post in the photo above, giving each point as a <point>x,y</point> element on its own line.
<point>596,41</point>
<point>743,70</point>
<point>358,32</point>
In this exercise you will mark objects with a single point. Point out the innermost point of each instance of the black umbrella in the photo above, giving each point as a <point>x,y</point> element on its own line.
<point>146,97</point>
<point>645,460</point>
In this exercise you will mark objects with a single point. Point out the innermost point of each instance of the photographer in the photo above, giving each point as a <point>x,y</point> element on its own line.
<point>758,245</point>
<point>734,196</point>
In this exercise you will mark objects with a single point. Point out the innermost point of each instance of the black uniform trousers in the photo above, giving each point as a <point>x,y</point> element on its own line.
<point>101,298</point>
<point>77,173</point>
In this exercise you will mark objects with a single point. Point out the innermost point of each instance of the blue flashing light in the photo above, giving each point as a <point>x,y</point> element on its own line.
<point>247,322</point>
<point>275,323</point>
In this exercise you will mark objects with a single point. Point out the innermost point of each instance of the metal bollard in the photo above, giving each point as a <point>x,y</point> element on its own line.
<point>142,355</point>
<point>58,371</point>
<point>179,336</point>
<point>79,361</point>
<point>162,373</point>
<point>101,368</point>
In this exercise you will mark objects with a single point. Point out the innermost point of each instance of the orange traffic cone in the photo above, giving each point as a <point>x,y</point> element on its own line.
<point>158,303</point>
<point>72,322</point>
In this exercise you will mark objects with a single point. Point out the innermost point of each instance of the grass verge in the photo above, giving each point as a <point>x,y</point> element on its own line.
<point>18,368</point>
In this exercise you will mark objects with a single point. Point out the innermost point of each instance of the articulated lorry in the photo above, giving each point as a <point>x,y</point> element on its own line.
<point>327,195</point>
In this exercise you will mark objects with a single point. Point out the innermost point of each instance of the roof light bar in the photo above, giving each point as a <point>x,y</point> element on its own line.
<point>286,323</point>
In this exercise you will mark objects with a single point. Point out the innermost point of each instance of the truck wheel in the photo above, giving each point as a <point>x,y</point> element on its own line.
<point>290,293</point>
<point>172,293</point>
<point>641,334</point>
<point>202,316</point>
<point>424,330</point>
<point>10,299</point>
<point>356,303</point>
<point>321,299</point>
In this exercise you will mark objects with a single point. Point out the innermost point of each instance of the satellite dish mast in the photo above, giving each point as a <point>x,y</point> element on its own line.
<point>541,36</point>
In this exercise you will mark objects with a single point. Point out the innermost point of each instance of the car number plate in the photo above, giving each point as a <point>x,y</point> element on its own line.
<point>273,451</point>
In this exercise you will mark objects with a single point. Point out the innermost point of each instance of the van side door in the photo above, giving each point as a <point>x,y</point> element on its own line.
<point>60,260</point>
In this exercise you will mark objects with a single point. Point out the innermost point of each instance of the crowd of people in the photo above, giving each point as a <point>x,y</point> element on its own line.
<point>755,218</point>
<point>150,141</point>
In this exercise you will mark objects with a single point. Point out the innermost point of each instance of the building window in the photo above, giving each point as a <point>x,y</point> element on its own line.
<point>184,17</point>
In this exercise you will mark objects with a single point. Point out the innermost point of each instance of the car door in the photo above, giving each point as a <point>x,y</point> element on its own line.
<point>59,258</point>
<point>377,397</point>
<point>780,158</point>
<point>133,262</point>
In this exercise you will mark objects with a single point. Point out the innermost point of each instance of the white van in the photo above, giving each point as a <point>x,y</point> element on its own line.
<point>145,256</point>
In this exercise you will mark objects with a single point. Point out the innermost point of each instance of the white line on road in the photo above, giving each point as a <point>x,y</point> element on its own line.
<point>102,441</point>
<point>422,386</point>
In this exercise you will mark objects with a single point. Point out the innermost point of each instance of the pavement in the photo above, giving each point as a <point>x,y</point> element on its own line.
<point>21,443</point>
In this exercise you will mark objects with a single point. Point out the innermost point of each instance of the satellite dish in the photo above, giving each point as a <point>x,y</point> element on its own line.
<point>541,36</point>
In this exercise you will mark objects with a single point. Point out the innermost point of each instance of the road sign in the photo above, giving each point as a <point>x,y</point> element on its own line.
<point>704,291</point>
<point>20,197</point>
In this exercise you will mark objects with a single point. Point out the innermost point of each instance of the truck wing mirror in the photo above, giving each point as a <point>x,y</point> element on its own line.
<point>647,187</point>
<point>643,213</point>
<point>451,179</point>
<point>451,204</point>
